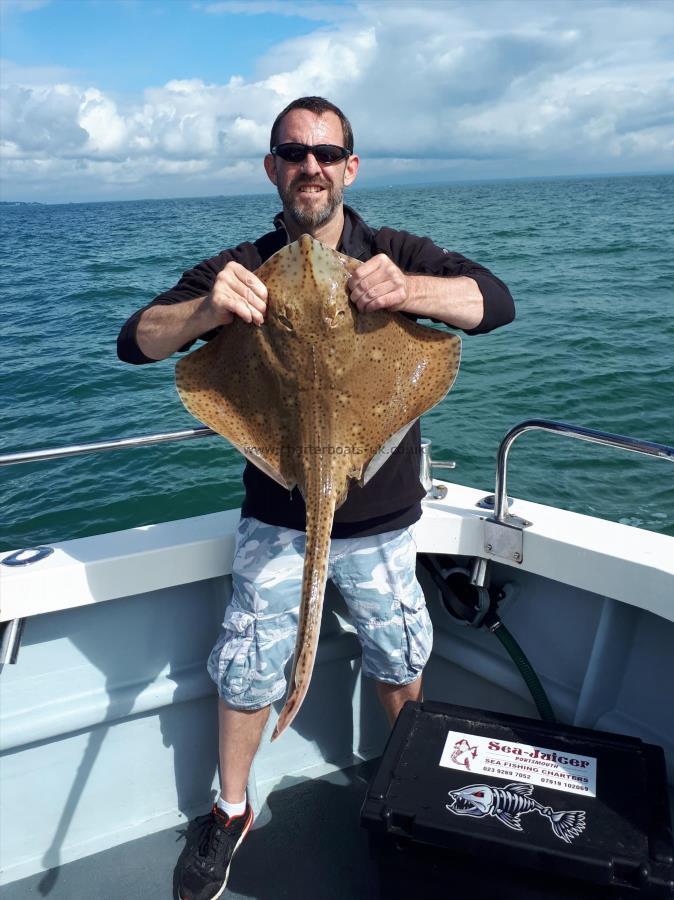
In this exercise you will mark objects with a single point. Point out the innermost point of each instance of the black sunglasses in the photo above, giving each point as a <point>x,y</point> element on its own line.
<point>325,154</point>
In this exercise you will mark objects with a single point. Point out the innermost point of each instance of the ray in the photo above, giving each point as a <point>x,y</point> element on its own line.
<point>316,397</point>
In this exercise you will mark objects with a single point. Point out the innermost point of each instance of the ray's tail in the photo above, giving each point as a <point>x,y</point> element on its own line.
<point>320,503</point>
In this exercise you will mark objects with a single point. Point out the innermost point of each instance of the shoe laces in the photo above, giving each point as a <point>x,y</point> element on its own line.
<point>209,833</point>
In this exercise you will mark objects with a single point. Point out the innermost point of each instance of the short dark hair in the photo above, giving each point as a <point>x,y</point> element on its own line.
<point>319,106</point>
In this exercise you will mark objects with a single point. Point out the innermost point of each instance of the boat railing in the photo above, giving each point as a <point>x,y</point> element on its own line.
<point>497,501</point>
<point>634,445</point>
<point>11,459</point>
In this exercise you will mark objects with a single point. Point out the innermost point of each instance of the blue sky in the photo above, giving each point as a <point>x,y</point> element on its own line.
<point>128,45</point>
<point>106,99</point>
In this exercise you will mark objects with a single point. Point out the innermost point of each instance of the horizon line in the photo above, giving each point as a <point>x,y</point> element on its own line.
<point>380,185</point>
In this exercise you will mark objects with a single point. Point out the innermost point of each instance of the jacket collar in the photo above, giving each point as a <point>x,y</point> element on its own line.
<point>356,240</point>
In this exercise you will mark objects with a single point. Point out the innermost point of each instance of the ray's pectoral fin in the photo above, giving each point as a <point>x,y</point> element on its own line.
<point>226,385</point>
<point>417,370</point>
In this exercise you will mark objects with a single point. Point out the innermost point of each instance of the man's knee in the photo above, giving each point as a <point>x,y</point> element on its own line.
<point>394,696</point>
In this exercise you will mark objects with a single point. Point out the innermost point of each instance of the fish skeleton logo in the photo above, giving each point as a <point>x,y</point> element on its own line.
<point>463,752</point>
<point>509,803</point>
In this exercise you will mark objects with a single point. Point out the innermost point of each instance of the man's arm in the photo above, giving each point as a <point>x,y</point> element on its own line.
<point>456,300</point>
<point>416,276</point>
<point>160,329</point>
<point>380,284</point>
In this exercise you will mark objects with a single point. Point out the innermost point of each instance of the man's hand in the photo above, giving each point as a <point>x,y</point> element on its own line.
<point>379,284</point>
<point>236,292</point>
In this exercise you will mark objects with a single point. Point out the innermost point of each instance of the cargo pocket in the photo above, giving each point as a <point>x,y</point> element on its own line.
<point>233,661</point>
<point>417,632</point>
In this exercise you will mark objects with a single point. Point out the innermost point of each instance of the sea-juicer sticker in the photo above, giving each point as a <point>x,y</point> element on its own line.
<point>526,763</point>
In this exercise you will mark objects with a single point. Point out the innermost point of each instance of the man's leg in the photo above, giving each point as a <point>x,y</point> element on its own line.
<point>239,737</point>
<point>376,576</point>
<point>394,696</point>
<point>203,868</point>
<point>247,663</point>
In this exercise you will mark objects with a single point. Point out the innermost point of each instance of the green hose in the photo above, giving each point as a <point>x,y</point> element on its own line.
<point>517,655</point>
<point>496,626</point>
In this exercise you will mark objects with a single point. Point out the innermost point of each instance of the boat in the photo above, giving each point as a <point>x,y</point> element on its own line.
<point>107,715</point>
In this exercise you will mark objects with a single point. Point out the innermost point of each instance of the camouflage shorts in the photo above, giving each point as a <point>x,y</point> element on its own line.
<point>376,577</point>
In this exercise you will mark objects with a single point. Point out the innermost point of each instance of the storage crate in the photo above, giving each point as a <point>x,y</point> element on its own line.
<point>472,804</point>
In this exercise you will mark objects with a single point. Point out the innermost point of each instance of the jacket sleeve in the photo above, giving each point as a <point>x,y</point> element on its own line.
<point>194,283</point>
<point>420,256</point>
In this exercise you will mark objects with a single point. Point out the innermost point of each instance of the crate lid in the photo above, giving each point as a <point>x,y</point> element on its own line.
<point>587,804</point>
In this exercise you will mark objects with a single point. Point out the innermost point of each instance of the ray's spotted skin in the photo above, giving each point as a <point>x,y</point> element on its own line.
<point>316,397</point>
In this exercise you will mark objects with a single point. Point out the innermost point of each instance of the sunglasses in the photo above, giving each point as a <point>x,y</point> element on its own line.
<point>325,154</point>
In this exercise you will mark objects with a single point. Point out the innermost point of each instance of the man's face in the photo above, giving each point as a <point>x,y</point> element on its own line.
<point>310,192</point>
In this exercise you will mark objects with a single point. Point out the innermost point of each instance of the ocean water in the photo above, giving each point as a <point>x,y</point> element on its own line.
<point>590,263</point>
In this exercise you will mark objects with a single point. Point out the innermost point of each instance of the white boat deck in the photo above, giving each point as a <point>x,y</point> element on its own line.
<point>107,725</point>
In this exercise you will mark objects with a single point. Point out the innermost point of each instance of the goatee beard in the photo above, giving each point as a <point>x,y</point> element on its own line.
<point>312,218</point>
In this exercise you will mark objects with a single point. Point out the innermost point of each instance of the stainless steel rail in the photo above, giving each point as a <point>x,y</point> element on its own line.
<point>574,431</point>
<point>11,459</point>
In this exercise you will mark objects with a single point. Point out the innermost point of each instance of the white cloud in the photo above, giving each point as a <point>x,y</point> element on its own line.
<point>328,63</point>
<point>42,121</point>
<point>107,130</point>
<point>430,88</point>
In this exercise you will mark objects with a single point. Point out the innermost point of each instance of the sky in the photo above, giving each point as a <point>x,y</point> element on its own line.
<point>127,99</point>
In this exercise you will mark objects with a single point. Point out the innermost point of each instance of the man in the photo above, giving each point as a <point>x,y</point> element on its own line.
<point>310,161</point>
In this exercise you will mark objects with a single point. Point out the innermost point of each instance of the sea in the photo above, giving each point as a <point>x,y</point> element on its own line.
<point>589,261</point>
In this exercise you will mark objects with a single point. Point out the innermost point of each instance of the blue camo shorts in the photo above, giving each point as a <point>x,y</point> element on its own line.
<point>375,575</point>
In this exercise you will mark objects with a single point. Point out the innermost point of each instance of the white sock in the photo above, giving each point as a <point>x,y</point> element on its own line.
<point>232,809</point>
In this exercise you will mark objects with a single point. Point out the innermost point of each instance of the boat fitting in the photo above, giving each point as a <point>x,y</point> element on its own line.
<point>12,631</point>
<point>476,605</point>
<point>621,442</point>
<point>479,573</point>
<point>426,466</point>
<point>27,556</point>
<point>10,641</point>
<point>464,600</point>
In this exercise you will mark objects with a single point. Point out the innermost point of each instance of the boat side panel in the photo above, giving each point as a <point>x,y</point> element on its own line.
<point>109,723</point>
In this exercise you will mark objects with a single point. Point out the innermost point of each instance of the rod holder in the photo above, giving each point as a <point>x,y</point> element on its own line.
<point>426,466</point>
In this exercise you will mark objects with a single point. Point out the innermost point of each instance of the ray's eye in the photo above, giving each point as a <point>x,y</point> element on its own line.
<point>285,321</point>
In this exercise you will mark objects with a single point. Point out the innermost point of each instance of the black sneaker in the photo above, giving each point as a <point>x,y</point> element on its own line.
<point>213,839</point>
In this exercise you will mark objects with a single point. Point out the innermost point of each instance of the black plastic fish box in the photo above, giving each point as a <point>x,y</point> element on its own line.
<point>468,804</point>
